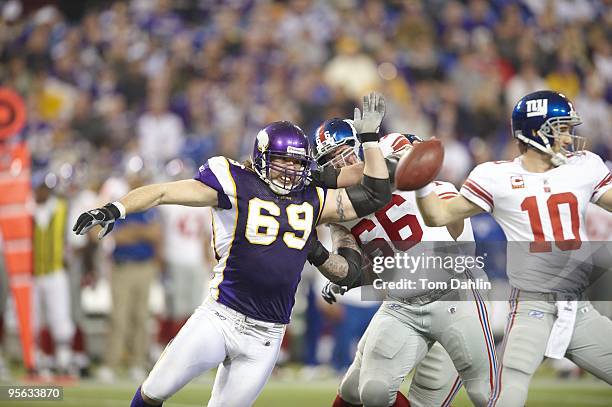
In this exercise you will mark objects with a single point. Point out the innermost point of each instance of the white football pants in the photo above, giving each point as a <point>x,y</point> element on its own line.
<point>245,350</point>
<point>528,328</point>
<point>398,339</point>
<point>51,301</point>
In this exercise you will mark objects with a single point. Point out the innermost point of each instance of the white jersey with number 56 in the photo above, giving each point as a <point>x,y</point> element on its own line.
<point>400,221</point>
<point>399,226</point>
<point>545,211</point>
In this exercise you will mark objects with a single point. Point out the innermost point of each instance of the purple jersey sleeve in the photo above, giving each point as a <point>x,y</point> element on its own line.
<point>206,176</point>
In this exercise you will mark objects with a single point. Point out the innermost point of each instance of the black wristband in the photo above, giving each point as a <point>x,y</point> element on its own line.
<point>318,254</point>
<point>365,137</point>
<point>113,210</point>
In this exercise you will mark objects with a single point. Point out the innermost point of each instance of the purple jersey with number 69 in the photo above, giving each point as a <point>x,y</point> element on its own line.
<point>260,239</point>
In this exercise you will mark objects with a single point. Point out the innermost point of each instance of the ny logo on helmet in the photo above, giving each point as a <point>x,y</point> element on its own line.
<point>537,107</point>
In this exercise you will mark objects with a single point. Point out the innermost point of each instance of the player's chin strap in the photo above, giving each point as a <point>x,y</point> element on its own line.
<point>277,189</point>
<point>556,159</point>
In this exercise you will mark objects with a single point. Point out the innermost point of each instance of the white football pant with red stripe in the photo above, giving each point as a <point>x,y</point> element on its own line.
<point>398,339</point>
<point>529,325</point>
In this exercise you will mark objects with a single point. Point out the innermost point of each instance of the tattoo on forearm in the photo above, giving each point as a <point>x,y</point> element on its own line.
<point>340,207</point>
<point>342,237</point>
<point>335,268</point>
<point>347,241</point>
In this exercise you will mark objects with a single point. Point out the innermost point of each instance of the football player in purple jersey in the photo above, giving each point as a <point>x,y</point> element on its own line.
<point>264,213</point>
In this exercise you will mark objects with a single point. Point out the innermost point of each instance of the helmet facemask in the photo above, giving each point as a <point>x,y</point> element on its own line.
<point>348,156</point>
<point>553,134</point>
<point>282,179</point>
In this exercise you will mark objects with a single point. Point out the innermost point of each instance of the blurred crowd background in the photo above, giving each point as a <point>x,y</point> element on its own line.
<point>121,93</point>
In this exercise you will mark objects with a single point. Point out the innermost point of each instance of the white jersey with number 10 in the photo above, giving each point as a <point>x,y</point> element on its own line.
<point>544,213</point>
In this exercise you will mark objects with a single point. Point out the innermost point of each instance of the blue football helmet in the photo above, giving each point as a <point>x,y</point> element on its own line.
<point>329,137</point>
<point>541,118</point>
<point>282,140</point>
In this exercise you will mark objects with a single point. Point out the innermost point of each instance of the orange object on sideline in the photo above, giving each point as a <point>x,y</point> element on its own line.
<point>13,113</point>
<point>16,229</point>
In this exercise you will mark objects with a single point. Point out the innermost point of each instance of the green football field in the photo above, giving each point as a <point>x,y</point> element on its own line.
<point>544,392</point>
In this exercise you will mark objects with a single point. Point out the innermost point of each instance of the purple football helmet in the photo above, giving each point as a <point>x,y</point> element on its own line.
<point>282,140</point>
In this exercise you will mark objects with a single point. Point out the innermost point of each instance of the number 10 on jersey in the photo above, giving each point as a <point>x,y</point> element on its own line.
<point>540,245</point>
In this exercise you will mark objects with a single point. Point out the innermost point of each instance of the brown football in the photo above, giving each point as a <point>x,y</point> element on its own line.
<point>419,166</point>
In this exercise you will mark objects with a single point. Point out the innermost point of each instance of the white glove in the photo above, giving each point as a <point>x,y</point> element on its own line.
<point>373,113</point>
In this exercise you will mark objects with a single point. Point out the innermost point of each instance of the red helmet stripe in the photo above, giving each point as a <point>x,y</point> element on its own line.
<point>321,135</point>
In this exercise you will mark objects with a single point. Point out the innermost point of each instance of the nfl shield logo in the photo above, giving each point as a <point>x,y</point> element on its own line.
<point>517,181</point>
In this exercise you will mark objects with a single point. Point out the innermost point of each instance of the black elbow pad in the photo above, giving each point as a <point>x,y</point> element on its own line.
<point>369,196</point>
<point>354,260</point>
<point>325,177</point>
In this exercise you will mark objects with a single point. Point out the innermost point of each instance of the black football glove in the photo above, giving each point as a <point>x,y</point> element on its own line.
<point>330,291</point>
<point>104,216</point>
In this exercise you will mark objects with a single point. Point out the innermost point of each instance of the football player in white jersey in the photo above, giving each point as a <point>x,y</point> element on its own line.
<point>264,213</point>
<point>395,343</point>
<point>540,199</point>
<point>188,258</point>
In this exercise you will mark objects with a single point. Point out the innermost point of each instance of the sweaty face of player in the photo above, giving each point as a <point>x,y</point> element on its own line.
<point>283,170</point>
<point>342,156</point>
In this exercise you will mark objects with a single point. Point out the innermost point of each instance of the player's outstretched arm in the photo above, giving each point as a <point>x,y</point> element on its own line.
<point>442,212</point>
<point>186,192</point>
<point>374,191</point>
<point>605,201</point>
<point>350,175</point>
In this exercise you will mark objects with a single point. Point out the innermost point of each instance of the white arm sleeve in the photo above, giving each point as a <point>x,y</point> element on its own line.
<point>479,186</point>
